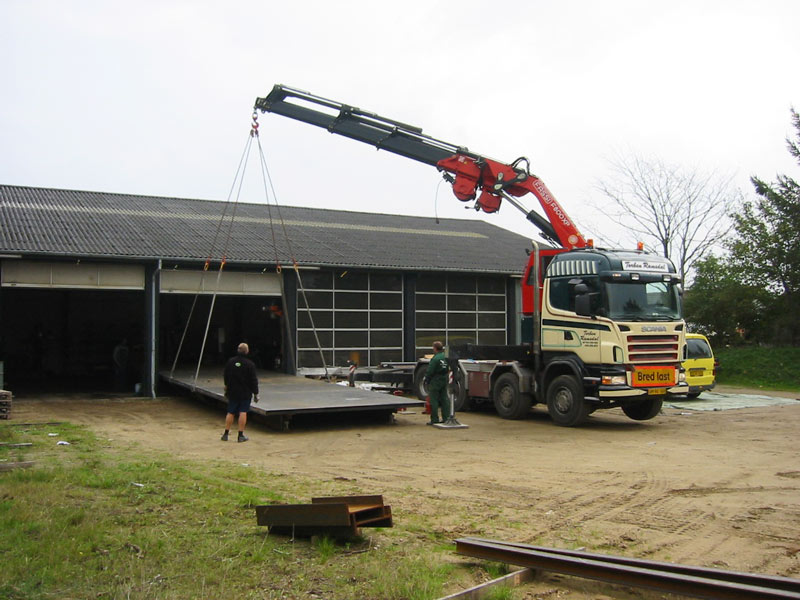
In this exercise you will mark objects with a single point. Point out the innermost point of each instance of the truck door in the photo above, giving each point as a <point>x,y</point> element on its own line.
<point>563,329</point>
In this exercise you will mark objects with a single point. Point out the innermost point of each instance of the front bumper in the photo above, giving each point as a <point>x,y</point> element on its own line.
<point>613,392</point>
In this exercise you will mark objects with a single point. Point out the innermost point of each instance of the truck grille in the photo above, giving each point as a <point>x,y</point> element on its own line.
<point>652,348</point>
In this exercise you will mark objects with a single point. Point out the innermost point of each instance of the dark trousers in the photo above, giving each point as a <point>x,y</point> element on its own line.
<point>439,401</point>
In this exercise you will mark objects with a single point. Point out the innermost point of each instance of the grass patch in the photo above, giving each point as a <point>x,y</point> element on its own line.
<point>495,570</point>
<point>761,368</point>
<point>95,520</point>
<point>500,593</point>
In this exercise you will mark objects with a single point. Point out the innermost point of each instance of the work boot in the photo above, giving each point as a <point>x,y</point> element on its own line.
<point>224,437</point>
<point>242,437</point>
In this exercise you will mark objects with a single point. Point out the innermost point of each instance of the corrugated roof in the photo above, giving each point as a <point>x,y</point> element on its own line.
<point>42,221</point>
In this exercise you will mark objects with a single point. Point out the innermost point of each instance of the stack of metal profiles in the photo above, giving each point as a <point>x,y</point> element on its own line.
<point>335,516</point>
<point>5,404</point>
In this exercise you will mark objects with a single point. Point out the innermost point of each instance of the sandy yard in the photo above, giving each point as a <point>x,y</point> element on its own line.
<point>705,488</point>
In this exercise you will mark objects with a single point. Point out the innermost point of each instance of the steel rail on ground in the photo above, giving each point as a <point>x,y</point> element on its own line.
<point>698,582</point>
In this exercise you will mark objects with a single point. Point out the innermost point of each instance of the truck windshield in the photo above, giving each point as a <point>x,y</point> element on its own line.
<point>655,301</point>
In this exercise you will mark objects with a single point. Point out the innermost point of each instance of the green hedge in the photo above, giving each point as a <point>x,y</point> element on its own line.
<point>752,366</point>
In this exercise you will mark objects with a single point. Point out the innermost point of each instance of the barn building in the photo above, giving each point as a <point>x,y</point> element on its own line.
<point>82,272</point>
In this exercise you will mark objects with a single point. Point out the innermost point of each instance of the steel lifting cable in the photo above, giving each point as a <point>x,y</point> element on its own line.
<point>267,178</point>
<point>222,262</point>
<point>239,170</point>
<point>278,268</point>
<point>239,177</point>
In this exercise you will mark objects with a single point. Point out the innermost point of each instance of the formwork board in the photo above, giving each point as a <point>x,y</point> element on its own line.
<point>287,395</point>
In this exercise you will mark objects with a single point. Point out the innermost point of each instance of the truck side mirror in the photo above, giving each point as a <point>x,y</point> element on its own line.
<point>583,305</point>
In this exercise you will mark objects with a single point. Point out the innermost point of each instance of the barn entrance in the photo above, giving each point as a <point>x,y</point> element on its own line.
<point>60,323</point>
<point>247,308</point>
<point>63,340</point>
<point>80,327</point>
<point>255,320</point>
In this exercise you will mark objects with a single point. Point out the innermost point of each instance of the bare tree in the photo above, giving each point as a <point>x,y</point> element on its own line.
<point>682,212</point>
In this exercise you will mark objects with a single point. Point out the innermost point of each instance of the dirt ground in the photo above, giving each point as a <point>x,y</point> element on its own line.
<point>703,488</point>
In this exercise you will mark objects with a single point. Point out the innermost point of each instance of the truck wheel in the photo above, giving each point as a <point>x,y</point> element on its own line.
<point>420,389</point>
<point>457,393</point>
<point>644,410</point>
<point>565,401</point>
<point>508,402</point>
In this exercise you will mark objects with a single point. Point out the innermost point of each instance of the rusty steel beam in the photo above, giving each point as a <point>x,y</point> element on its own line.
<point>645,575</point>
<point>756,579</point>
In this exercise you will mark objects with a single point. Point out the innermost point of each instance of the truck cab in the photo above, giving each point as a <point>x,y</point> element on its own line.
<point>613,320</point>
<point>607,331</point>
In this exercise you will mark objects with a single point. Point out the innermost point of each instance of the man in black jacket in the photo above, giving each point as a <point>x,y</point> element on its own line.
<point>241,384</point>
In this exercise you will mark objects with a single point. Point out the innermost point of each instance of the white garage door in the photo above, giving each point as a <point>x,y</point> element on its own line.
<point>83,275</point>
<point>230,283</point>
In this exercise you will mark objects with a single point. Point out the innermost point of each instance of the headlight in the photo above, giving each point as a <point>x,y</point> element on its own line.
<point>682,376</point>
<point>613,380</point>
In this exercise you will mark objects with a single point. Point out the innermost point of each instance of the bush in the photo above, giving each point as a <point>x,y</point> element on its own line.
<point>775,368</point>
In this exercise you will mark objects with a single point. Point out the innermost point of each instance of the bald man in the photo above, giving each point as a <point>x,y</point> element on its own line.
<point>241,384</point>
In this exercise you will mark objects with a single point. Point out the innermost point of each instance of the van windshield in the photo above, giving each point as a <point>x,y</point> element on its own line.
<point>698,348</point>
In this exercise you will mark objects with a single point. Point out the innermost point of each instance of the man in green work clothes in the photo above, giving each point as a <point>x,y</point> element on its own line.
<point>436,381</point>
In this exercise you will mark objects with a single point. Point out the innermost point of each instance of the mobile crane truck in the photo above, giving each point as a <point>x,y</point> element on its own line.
<point>606,326</point>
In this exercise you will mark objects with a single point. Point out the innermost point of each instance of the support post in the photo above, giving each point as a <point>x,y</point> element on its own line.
<point>152,289</point>
<point>410,317</point>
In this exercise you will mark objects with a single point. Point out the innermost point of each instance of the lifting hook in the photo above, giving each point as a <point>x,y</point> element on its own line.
<point>254,126</point>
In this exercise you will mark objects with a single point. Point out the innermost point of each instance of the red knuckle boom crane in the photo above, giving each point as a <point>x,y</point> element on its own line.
<point>473,176</point>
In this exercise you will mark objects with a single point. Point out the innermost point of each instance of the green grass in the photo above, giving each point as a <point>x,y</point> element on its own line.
<point>756,367</point>
<point>500,593</point>
<point>96,520</point>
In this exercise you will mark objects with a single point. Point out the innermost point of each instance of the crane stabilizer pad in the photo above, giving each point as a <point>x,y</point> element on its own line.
<point>451,423</point>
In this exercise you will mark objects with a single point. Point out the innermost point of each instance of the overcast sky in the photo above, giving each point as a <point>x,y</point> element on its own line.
<point>155,97</point>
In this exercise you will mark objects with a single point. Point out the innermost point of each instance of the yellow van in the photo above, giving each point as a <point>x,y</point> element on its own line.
<point>700,366</point>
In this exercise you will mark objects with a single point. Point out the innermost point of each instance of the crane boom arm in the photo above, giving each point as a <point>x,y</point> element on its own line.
<point>474,177</point>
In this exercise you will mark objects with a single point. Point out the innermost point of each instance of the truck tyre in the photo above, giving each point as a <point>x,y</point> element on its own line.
<point>565,401</point>
<point>420,389</point>
<point>457,393</point>
<point>508,402</point>
<point>644,410</point>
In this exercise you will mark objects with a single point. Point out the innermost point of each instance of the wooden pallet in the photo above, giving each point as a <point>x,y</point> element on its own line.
<point>336,516</point>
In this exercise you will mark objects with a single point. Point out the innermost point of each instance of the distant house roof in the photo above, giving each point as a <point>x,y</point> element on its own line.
<point>54,222</point>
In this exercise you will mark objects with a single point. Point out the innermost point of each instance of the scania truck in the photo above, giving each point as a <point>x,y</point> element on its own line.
<point>603,327</point>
